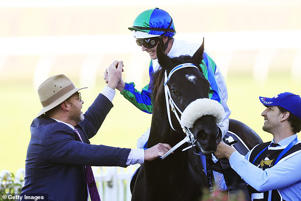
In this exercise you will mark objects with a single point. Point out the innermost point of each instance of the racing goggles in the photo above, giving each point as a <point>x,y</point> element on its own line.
<point>148,42</point>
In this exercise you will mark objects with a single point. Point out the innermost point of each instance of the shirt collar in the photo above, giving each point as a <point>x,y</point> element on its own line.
<point>72,127</point>
<point>283,143</point>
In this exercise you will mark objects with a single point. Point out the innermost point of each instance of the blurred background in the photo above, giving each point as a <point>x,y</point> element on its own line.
<point>256,44</point>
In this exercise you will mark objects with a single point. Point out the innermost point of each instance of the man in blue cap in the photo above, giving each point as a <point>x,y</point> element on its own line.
<point>272,169</point>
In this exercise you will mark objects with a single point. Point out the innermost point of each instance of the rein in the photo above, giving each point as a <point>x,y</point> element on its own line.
<point>170,104</point>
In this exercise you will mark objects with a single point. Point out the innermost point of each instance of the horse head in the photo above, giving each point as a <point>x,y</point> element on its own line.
<point>187,100</point>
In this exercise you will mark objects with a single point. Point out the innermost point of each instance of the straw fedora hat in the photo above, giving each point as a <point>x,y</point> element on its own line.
<point>54,91</point>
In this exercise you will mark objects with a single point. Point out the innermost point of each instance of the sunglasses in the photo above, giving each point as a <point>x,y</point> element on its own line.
<point>148,42</point>
<point>78,96</point>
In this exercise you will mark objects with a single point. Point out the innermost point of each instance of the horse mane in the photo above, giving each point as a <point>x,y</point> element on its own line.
<point>157,80</point>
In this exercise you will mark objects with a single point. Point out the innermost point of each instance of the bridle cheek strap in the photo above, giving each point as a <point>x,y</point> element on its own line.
<point>167,95</point>
<point>171,104</point>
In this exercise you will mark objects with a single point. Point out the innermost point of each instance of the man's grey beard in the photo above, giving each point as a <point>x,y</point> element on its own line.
<point>82,117</point>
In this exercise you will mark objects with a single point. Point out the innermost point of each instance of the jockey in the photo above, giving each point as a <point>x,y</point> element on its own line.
<point>156,25</point>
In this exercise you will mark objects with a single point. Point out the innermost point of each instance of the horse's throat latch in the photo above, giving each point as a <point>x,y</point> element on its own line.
<point>189,147</point>
<point>188,139</point>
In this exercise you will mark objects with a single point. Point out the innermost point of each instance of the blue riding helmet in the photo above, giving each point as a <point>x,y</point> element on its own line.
<point>153,23</point>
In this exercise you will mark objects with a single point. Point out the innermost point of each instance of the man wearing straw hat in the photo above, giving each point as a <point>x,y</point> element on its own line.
<point>59,155</point>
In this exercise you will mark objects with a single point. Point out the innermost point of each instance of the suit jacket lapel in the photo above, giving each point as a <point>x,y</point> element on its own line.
<point>82,135</point>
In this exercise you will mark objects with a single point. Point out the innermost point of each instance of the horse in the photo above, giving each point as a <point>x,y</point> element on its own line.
<point>184,117</point>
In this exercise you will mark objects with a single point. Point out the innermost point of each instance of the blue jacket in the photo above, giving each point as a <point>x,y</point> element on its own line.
<point>56,157</point>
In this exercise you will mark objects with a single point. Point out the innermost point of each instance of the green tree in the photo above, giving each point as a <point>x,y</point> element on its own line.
<point>9,187</point>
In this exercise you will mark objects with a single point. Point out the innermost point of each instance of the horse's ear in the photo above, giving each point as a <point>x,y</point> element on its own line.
<point>198,55</point>
<point>163,59</point>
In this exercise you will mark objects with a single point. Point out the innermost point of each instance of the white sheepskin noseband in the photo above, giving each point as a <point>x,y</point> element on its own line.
<point>199,108</point>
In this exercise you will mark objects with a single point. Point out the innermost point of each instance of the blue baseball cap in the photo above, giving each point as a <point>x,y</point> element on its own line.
<point>289,101</point>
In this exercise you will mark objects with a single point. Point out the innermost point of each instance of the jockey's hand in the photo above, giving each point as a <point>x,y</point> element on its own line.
<point>120,85</point>
<point>223,150</point>
<point>113,74</point>
<point>156,151</point>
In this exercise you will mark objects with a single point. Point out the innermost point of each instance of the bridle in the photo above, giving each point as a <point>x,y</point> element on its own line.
<point>181,116</point>
<point>199,107</point>
<point>171,105</point>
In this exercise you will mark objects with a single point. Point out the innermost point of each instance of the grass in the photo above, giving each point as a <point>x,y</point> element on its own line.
<point>124,124</point>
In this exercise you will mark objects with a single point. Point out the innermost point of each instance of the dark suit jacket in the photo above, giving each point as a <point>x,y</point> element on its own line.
<point>56,158</point>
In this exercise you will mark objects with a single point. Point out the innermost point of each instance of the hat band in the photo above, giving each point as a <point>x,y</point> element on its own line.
<point>152,29</point>
<point>59,94</point>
